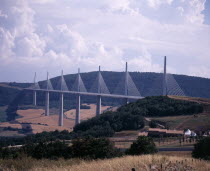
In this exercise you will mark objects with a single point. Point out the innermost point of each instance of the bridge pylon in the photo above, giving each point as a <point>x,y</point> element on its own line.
<point>164,78</point>
<point>98,103</point>
<point>35,86</point>
<point>60,122</point>
<point>77,121</point>
<point>126,83</point>
<point>47,102</point>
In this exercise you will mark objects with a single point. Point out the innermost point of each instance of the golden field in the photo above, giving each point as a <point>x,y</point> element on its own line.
<point>140,163</point>
<point>38,122</point>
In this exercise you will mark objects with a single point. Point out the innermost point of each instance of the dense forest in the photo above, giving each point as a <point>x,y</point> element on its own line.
<point>161,106</point>
<point>130,116</point>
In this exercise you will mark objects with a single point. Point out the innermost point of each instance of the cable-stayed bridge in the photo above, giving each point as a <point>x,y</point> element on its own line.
<point>126,90</point>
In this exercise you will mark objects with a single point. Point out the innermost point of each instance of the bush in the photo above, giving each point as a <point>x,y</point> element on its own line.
<point>92,148</point>
<point>9,153</point>
<point>51,150</point>
<point>143,145</point>
<point>202,149</point>
<point>153,124</point>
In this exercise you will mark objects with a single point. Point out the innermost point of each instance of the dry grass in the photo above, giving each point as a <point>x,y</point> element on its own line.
<point>193,99</point>
<point>147,163</point>
<point>85,113</point>
<point>39,122</point>
<point>186,121</point>
<point>176,153</point>
<point>140,163</point>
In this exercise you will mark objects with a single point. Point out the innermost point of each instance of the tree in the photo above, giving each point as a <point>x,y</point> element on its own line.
<point>153,124</point>
<point>52,150</point>
<point>202,149</point>
<point>143,145</point>
<point>92,148</point>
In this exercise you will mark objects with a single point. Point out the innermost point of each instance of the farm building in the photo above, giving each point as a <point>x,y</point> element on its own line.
<point>156,132</point>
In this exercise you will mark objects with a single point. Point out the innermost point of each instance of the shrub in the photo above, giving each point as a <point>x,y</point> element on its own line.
<point>51,150</point>
<point>9,153</point>
<point>153,124</point>
<point>92,148</point>
<point>202,149</point>
<point>143,145</point>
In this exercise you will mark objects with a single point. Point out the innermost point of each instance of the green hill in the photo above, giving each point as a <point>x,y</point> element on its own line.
<point>130,116</point>
<point>148,84</point>
<point>127,117</point>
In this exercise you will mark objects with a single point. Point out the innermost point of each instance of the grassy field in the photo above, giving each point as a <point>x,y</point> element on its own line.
<point>198,122</point>
<point>143,163</point>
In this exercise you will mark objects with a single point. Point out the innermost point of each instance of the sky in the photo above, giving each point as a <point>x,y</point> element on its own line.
<point>54,35</point>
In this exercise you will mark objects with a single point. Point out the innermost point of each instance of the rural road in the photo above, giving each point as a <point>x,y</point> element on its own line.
<point>176,149</point>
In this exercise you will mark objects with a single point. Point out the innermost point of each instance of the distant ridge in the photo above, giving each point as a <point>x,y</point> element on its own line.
<point>148,83</point>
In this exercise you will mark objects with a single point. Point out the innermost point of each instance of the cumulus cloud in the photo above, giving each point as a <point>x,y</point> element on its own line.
<point>156,3</point>
<point>53,35</point>
<point>196,7</point>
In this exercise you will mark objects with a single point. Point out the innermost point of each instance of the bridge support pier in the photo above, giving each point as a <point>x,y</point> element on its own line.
<point>34,98</point>
<point>61,110</point>
<point>47,104</point>
<point>164,78</point>
<point>77,121</point>
<point>98,106</point>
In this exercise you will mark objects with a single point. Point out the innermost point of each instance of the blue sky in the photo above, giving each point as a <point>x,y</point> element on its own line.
<point>206,12</point>
<point>51,35</point>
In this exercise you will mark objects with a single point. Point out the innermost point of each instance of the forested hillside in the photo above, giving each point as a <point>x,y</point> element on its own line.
<point>7,95</point>
<point>127,117</point>
<point>148,84</point>
<point>130,116</point>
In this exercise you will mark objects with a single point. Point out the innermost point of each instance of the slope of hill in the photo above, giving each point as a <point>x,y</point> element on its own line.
<point>129,117</point>
<point>149,84</point>
<point>33,120</point>
<point>7,94</point>
<point>197,123</point>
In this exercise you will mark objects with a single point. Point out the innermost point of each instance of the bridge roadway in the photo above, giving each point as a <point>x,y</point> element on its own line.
<point>88,93</point>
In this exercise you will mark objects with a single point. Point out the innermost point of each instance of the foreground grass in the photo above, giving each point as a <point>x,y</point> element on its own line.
<point>143,163</point>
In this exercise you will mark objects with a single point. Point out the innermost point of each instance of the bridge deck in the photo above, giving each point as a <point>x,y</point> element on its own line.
<point>88,93</point>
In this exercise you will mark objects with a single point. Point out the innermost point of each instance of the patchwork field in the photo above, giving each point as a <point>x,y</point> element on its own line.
<point>36,121</point>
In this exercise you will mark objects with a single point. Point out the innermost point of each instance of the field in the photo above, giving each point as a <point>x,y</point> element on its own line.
<point>197,122</point>
<point>194,122</point>
<point>35,121</point>
<point>139,163</point>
